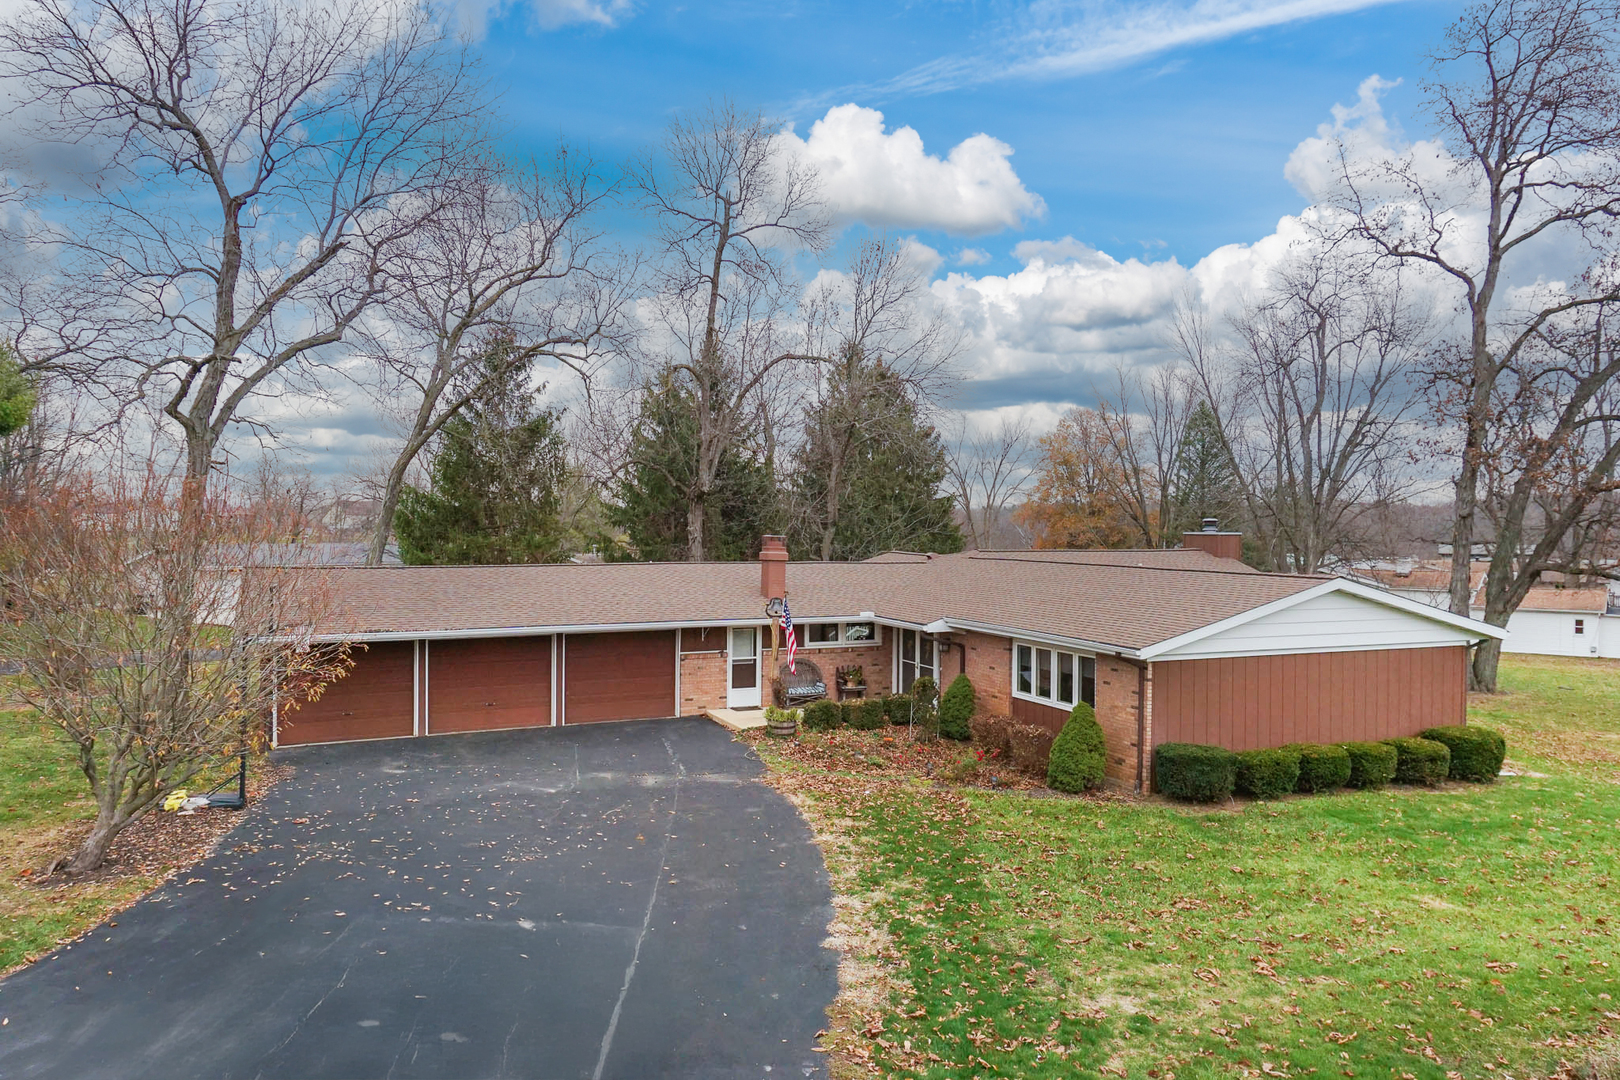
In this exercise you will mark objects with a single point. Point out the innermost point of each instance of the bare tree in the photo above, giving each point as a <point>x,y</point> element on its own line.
<point>988,469</point>
<point>1526,94</point>
<point>1145,417</point>
<point>115,593</point>
<point>731,209</point>
<point>263,155</point>
<point>1548,466</point>
<point>506,258</point>
<point>1313,403</point>
<point>890,353</point>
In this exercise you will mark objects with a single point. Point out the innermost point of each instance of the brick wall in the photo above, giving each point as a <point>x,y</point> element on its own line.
<point>1117,690</point>
<point>703,674</point>
<point>989,666</point>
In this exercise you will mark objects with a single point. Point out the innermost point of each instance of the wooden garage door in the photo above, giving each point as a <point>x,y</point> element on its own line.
<point>373,701</point>
<point>618,676</point>
<point>484,684</point>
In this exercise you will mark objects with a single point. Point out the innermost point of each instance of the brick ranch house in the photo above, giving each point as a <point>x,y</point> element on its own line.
<point>1183,645</point>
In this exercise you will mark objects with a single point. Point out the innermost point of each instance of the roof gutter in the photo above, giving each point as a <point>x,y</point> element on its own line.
<point>1045,639</point>
<point>528,631</point>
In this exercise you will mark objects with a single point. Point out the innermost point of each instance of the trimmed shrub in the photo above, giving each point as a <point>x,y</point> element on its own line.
<point>1372,764</point>
<point>1078,754</point>
<point>822,715</point>
<point>1420,761</point>
<point>925,705</point>
<point>897,707</point>
<point>990,732</point>
<point>1476,752</point>
<point>1031,748</point>
<point>1266,774</point>
<point>848,710</point>
<point>868,714</point>
<point>956,709</point>
<point>1194,772</point>
<point>1322,767</point>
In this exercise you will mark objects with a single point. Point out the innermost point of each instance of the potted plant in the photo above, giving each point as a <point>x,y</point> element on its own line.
<point>783,723</point>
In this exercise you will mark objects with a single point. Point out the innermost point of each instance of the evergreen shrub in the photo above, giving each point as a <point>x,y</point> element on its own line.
<point>1078,754</point>
<point>1194,772</point>
<point>1322,767</point>
<point>1420,761</point>
<point>956,709</point>
<point>1476,752</point>
<point>1372,764</point>
<point>1268,773</point>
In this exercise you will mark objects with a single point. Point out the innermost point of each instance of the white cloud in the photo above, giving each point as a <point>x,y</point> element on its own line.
<point>1048,39</point>
<point>472,16</point>
<point>972,257</point>
<point>887,178</point>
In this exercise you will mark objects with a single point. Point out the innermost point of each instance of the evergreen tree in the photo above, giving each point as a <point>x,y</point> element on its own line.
<point>1204,482</point>
<point>869,474</point>
<point>496,482</point>
<point>652,493</point>
<point>17,394</point>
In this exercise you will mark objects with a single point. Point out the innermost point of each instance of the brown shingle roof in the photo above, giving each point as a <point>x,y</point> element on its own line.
<point>1129,606</point>
<point>1592,598</point>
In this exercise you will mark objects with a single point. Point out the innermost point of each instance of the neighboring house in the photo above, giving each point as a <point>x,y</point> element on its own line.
<point>1185,645</point>
<point>1557,617</point>
<point>235,558</point>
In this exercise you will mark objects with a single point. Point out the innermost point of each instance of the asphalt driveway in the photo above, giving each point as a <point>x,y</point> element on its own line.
<point>612,900</point>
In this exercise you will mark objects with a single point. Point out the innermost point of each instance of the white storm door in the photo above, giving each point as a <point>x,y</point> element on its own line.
<point>742,669</point>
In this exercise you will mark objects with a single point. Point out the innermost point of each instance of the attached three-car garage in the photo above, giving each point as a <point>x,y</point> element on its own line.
<point>440,686</point>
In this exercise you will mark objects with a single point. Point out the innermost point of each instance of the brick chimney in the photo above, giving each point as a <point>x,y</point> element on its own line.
<point>1222,545</point>
<point>773,558</point>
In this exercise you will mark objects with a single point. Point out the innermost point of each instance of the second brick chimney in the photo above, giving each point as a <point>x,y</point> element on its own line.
<point>773,559</point>
<point>1222,545</point>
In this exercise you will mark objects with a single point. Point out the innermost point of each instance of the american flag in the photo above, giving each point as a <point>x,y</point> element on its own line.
<point>792,639</point>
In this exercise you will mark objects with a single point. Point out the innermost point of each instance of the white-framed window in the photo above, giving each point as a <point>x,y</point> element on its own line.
<point>1580,626</point>
<point>1053,676</point>
<point>822,635</point>
<point>916,655</point>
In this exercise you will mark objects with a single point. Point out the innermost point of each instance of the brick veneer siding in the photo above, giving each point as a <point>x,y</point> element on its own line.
<point>703,682</point>
<point>703,673</point>
<point>989,666</point>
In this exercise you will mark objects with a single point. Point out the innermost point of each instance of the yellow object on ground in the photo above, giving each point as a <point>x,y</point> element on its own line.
<point>174,800</point>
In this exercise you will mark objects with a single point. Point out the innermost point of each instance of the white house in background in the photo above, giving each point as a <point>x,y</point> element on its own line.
<point>1554,620</point>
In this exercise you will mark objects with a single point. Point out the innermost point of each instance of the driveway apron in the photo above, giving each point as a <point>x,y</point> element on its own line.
<point>612,900</point>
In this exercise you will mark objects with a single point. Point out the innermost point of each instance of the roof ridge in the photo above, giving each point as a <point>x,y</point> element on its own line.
<point>1248,571</point>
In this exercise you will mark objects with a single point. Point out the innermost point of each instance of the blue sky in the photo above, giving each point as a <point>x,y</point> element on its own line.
<point>1166,153</point>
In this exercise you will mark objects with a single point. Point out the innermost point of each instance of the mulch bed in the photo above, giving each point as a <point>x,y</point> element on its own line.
<point>893,753</point>
<point>161,843</point>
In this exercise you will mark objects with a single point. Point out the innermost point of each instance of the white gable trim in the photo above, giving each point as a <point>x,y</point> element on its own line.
<point>1471,627</point>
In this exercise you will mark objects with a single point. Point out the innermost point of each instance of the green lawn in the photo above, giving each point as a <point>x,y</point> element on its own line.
<point>1462,932</point>
<point>43,803</point>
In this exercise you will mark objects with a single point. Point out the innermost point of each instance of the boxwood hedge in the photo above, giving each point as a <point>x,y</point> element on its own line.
<point>1372,764</point>
<point>1194,772</point>
<point>823,715</point>
<point>1476,752</point>
<point>1420,761</point>
<point>1268,773</point>
<point>1321,767</point>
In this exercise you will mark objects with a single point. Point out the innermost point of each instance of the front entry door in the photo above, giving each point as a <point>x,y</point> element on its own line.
<point>742,687</point>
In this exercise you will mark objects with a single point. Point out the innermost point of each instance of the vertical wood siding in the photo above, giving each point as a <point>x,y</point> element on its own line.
<point>1248,702</point>
<point>1033,712</point>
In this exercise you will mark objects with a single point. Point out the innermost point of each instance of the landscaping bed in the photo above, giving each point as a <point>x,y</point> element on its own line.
<point>1464,930</point>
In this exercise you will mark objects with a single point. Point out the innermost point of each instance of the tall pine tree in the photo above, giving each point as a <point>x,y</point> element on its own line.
<point>1204,482</point>
<point>495,484</point>
<point>868,476</point>
<point>652,494</point>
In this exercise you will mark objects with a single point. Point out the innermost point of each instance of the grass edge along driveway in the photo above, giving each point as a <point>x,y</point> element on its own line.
<point>1462,932</point>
